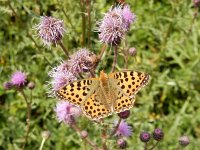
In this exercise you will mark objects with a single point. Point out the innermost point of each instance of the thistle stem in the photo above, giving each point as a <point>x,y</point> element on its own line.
<point>78,130</point>
<point>154,145</point>
<point>104,136</point>
<point>145,146</point>
<point>28,116</point>
<point>89,21</point>
<point>83,21</point>
<point>64,49</point>
<point>115,59</point>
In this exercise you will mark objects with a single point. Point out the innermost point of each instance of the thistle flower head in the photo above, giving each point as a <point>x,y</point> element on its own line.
<point>111,28</point>
<point>82,61</point>
<point>50,29</point>
<point>145,137</point>
<point>125,114</point>
<point>158,134</point>
<point>60,77</point>
<point>122,144</point>
<point>128,16</point>
<point>115,24</point>
<point>196,3</point>
<point>184,141</point>
<point>18,78</point>
<point>124,129</point>
<point>132,51</point>
<point>66,112</point>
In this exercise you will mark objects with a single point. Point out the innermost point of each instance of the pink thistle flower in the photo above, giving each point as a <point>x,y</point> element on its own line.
<point>129,17</point>
<point>67,112</point>
<point>50,30</point>
<point>60,77</point>
<point>82,61</point>
<point>115,24</point>
<point>111,27</point>
<point>18,78</point>
<point>124,129</point>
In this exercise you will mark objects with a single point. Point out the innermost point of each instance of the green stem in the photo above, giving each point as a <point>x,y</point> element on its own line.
<point>115,59</point>
<point>154,145</point>
<point>89,21</point>
<point>83,21</point>
<point>42,143</point>
<point>28,117</point>
<point>86,138</point>
<point>64,49</point>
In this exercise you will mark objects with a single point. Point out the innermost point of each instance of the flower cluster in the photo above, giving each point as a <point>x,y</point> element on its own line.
<point>115,24</point>
<point>50,29</point>
<point>81,61</point>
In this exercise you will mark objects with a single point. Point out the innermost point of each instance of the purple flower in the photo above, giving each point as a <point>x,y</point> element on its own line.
<point>50,30</point>
<point>158,134</point>
<point>18,78</point>
<point>115,24</point>
<point>60,77</point>
<point>67,112</point>
<point>124,129</point>
<point>111,27</point>
<point>82,61</point>
<point>124,114</point>
<point>129,17</point>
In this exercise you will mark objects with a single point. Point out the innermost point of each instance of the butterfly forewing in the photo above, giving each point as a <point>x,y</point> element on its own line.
<point>76,92</point>
<point>130,82</point>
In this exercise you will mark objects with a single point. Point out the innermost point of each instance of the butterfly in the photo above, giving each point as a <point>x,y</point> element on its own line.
<point>100,97</point>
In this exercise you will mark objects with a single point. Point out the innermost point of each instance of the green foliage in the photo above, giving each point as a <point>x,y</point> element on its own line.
<point>166,36</point>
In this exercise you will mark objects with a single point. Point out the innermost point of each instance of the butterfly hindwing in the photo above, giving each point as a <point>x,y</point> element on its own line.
<point>123,103</point>
<point>94,109</point>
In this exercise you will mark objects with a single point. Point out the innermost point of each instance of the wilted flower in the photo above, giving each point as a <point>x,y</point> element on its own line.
<point>124,129</point>
<point>31,85</point>
<point>145,136</point>
<point>84,134</point>
<point>115,24</point>
<point>121,143</point>
<point>66,112</point>
<point>46,134</point>
<point>132,51</point>
<point>158,134</point>
<point>18,78</point>
<point>50,29</point>
<point>82,61</point>
<point>7,85</point>
<point>184,141</point>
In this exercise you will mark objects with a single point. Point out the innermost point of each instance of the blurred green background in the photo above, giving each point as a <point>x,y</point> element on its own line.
<point>166,36</point>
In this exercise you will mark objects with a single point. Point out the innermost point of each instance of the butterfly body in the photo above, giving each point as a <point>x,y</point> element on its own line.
<point>100,97</point>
